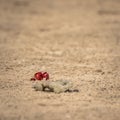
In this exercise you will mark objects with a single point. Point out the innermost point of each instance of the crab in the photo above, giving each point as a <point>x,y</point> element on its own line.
<point>40,76</point>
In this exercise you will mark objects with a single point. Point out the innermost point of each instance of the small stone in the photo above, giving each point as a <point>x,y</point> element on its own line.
<point>38,86</point>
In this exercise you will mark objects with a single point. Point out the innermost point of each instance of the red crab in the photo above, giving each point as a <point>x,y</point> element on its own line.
<point>40,76</point>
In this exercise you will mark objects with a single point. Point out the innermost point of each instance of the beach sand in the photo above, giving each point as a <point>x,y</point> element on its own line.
<point>78,40</point>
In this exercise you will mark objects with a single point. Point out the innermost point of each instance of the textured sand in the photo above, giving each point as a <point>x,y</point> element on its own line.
<point>77,40</point>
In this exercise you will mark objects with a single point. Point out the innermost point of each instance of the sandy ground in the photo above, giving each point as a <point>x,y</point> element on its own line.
<point>77,40</point>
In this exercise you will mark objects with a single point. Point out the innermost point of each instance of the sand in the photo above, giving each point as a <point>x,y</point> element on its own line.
<point>78,40</point>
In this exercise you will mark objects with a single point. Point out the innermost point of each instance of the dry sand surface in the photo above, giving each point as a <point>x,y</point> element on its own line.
<point>78,40</point>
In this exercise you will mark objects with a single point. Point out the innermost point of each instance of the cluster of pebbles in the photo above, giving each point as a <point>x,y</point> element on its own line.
<point>57,86</point>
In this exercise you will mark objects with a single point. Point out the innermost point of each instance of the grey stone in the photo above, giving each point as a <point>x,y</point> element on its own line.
<point>57,86</point>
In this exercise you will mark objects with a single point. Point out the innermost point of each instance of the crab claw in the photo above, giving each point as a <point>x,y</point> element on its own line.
<point>45,75</point>
<point>38,76</point>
